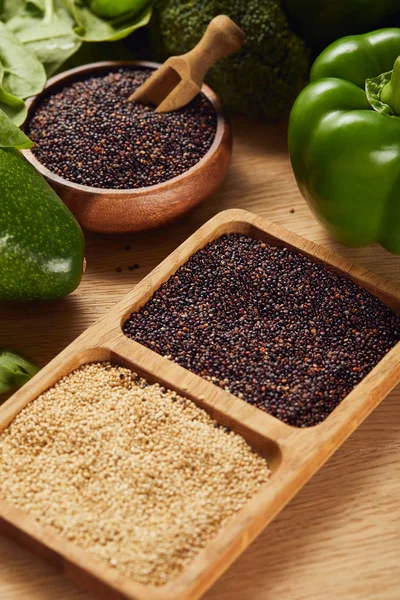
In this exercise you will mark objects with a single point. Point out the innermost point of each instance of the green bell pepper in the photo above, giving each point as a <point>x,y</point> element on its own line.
<point>344,139</point>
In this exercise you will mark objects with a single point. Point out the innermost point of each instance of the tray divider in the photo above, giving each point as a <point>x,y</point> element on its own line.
<point>218,402</point>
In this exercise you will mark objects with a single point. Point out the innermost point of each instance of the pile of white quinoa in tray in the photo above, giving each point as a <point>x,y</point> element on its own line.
<point>133,473</point>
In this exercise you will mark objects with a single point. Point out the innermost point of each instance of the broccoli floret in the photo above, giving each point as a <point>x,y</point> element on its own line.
<point>261,80</point>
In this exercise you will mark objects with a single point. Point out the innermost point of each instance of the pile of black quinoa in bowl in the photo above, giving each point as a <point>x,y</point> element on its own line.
<point>88,133</point>
<point>269,325</point>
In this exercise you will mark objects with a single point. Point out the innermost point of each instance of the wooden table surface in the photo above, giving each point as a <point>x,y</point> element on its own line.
<point>340,537</point>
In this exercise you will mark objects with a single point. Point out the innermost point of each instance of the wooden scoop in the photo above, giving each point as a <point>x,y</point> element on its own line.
<point>180,78</point>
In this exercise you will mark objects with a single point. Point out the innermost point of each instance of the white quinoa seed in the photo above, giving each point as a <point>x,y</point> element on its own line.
<point>137,475</point>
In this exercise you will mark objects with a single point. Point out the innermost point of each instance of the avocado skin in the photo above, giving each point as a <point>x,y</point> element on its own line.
<point>41,243</point>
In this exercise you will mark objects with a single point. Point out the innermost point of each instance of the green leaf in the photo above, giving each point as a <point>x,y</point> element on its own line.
<point>40,5</point>
<point>24,74</point>
<point>373,89</point>
<point>92,28</point>
<point>15,370</point>
<point>10,8</point>
<point>10,135</point>
<point>50,36</point>
<point>12,106</point>
<point>40,35</point>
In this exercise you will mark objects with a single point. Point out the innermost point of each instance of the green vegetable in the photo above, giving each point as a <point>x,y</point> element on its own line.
<point>11,136</point>
<point>24,74</point>
<point>10,8</point>
<point>38,36</point>
<point>320,22</point>
<point>92,28</point>
<point>344,144</point>
<point>15,370</point>
<point>41,244</point>
<point>46,33</point>
<point>12,106</point>
<point>21,75</point>
<point>116,8</point>
<point>264,77</point>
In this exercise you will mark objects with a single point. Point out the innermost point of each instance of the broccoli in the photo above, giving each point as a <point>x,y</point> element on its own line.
<point>261,80</point>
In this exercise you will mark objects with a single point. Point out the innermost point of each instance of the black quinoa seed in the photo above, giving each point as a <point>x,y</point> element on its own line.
<point>269,325</point>
<point>89,133</point>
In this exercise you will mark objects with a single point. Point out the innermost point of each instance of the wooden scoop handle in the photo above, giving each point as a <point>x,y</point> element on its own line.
<point>222,37</point>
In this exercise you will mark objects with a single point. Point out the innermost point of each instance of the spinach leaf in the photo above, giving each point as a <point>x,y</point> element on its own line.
<point>48,34</point>
<point>92,28</point>
<point>23,73</point>
<point>12,106</point>
<point>40,4</point>
<point>38,36</point>
<point>10,135</point>
<point>10,8</point>
<point>14,370</point>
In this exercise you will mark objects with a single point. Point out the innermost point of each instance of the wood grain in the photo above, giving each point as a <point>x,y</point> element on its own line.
<point>337,539</point>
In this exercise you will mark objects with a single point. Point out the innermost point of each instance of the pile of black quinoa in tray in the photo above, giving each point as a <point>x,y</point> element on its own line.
<point>269,325</point>
<point>89,133</point>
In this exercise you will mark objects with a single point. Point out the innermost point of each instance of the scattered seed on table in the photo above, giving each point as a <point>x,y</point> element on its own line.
<point>89,133</point>
<point>269,325</point>
<point>132,472</point>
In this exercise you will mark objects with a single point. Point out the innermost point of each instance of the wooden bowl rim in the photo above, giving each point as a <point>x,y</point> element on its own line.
<point>91,68</point>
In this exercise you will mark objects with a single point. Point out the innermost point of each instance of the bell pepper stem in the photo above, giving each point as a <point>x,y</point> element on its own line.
<point>390,93</point>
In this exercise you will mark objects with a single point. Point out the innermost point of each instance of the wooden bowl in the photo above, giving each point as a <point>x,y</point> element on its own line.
<point>115,211</point>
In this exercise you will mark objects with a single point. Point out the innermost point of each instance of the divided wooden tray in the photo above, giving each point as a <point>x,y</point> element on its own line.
<point>293,454</point>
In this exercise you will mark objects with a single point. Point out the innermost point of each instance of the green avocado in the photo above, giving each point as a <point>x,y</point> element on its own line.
<point>41,244</point>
